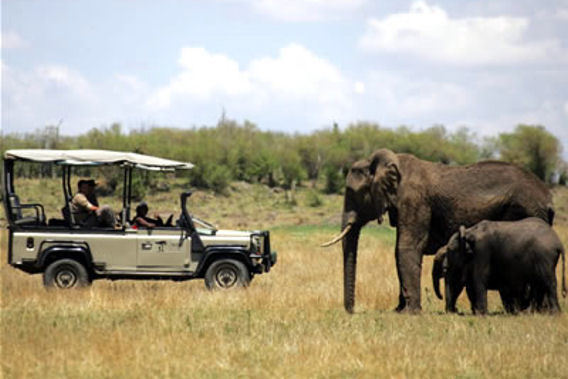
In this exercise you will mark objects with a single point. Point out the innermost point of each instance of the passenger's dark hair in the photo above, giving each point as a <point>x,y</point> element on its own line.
<point>141,207</point>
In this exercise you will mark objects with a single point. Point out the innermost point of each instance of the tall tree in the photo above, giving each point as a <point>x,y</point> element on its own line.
<point>532,147</point>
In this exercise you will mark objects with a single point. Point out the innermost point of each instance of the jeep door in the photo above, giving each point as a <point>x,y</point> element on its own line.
<point>163,250</point>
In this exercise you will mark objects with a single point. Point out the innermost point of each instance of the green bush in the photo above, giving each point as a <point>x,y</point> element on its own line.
<point>219,179</point>
<point>334,181</point>
<point>211,176</point>
<point>138,188</point>
<point>313,199</point>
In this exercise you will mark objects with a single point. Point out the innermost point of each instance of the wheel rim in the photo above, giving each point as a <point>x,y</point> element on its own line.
<point>65,278</point>
<point>226,277</point>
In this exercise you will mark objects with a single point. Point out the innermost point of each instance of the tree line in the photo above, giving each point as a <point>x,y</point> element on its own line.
<point>233,151</point>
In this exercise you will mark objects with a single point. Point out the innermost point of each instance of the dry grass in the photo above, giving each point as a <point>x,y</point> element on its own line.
<point>289,323</point>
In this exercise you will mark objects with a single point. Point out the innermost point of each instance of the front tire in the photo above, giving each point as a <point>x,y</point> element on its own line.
<point>226,274</point>
<point>66,274</point>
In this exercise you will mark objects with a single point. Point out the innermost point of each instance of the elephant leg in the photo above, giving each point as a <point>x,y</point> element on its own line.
<point>411,239</point>
<point>551,297</point>
<point>544,295</point>
<point>480,306</point>
<point>471,296</point>
<point>452,296</point>
<point>508,300</point>
<point>401,300</point>
<point>409,267</point>
<point>525,298</point>
<point>537,298</point>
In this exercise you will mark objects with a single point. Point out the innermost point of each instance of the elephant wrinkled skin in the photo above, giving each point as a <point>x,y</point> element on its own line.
<point>427,202</point>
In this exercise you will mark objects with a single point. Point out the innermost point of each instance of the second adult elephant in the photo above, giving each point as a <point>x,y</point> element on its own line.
<point>427,202</point>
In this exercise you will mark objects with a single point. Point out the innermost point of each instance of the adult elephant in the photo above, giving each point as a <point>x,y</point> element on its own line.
<point>427,202</point>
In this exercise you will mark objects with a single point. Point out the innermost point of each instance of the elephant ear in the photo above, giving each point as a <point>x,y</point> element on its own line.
<point>384,169</point>
<point>466,244</point>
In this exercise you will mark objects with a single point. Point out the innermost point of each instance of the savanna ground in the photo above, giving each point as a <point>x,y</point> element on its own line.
<point>288,323</point>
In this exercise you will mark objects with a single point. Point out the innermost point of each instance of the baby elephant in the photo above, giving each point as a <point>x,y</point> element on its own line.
<point>517,258</point>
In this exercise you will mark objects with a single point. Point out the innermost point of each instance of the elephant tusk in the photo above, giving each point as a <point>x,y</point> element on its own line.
<point>339,237</point>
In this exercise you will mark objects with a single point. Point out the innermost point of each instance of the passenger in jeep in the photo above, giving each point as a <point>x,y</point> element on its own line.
<point>85,208</point>
<point>141,219</point>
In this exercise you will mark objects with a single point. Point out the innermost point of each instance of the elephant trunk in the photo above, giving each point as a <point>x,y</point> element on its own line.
<point>350,243</point>
<point>438,271</point>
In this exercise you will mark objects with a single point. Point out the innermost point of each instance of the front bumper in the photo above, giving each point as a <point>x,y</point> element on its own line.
<point>267,257</point>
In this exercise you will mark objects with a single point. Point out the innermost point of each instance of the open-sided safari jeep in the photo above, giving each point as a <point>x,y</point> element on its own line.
<point>71,254</point>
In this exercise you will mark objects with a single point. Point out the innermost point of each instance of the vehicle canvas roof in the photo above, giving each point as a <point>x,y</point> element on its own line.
<point>96,157</point>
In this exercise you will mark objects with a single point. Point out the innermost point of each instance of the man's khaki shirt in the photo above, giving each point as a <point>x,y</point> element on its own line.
<point>81,207</point>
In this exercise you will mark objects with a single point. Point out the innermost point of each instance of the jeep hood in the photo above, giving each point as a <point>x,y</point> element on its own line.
<point>232,233</point>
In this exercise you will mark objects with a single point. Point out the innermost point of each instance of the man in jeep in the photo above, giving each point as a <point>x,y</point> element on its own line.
<point>85,209</point>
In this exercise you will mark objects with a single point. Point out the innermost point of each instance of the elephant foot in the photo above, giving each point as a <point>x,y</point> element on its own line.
<point>409,310</point>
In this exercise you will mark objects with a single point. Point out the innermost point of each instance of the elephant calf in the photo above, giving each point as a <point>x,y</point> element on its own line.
<point>517,258</point>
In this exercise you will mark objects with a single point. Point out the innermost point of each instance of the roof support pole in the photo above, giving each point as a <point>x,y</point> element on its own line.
<point>129,192</point>
<point>68,193</point>
<point>69,190</point>
<point>125,214</point>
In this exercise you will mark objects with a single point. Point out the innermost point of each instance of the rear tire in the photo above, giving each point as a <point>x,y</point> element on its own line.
<point>227,274</point>
<point>66,274</point>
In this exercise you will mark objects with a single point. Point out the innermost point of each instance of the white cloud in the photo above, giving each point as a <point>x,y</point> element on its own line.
<point>305,10</point>
<point>566,108</point>
<point>129,91</point>
<point>427,31</point>
<point>47,94</point>
<point>61,78</point>
<point>406,98</point>
<point>42,84</point>
<point>203,75</point>
<point>299,74</point>
<point>294,80</point>
<point>292,90</point>
<point>12,40</point>
<point>561,14</point>
<point>547,113</point>
<point>131,81</point>
<point>359,87</point>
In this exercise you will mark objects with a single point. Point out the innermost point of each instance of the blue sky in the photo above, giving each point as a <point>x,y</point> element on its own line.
<point>293,65</point>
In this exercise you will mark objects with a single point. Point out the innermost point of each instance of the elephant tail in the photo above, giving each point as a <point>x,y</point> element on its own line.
<point>550,214</point>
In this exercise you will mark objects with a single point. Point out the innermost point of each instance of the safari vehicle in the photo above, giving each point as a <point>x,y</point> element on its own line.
<point>72,255</point>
